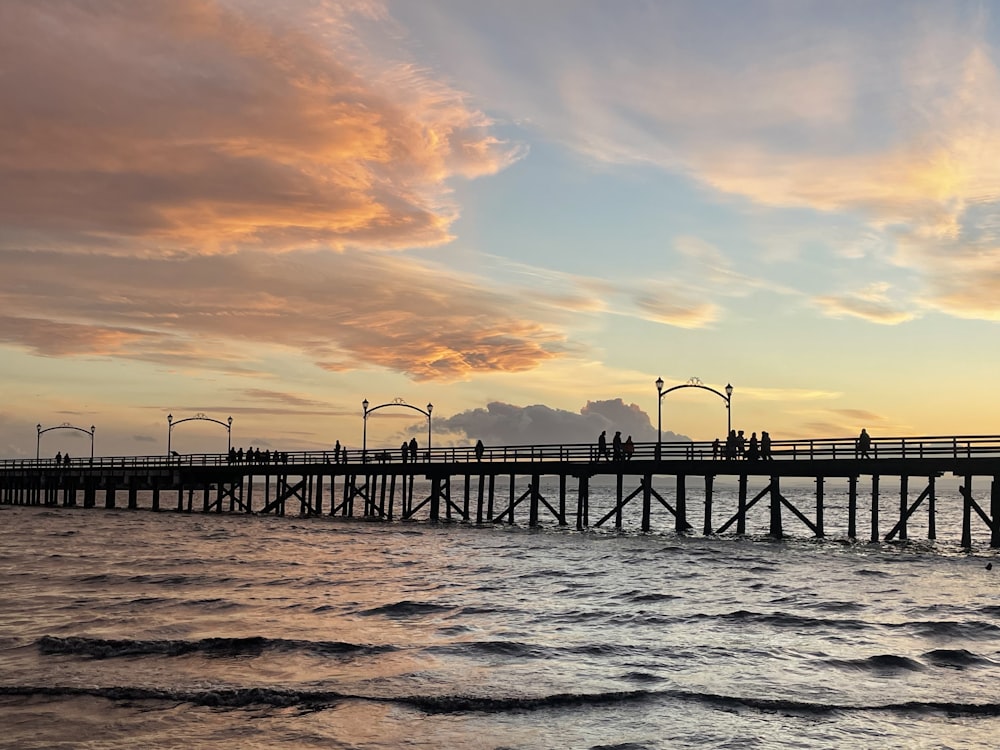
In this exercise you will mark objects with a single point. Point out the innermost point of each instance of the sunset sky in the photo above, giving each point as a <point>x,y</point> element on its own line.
<point>522,212</point>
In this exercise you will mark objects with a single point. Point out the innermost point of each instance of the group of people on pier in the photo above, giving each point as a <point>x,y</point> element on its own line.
<point>256,456</point>
<point>737,447</point>
<point>620,450</point>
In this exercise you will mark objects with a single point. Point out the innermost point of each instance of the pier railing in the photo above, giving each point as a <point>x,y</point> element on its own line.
<point>954,447</point>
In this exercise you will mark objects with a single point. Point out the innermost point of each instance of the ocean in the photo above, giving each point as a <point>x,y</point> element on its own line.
<point>125,629</point>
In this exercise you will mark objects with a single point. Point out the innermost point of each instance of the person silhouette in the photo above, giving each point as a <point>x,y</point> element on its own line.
<point>765,446</point>
<point>480,449</point>
<point>602,445</point>
<point>864,444</point>
<point>716,447</point>
<point>413,449</point>
<point>629,448</point>
<point>58,458</point>
<point>336,452</point>
<point>753,452</point>
<point>616,446</point>
<point>731,444</point>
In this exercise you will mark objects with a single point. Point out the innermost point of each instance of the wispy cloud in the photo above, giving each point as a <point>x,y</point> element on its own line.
<point>350,310</point>
<point>892,124</point>
<point>874,304</point>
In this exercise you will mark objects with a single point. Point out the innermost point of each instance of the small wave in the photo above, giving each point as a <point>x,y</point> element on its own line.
<point>514,649</point>
<point>487,704</point>
<point>880,663</point>
<point>788,620</point>
<point>957,658</point>
<point>968,629</point>
<point>237,698</point>
<point>652,597</point>
<point>102,648</point>
<point>406,608</point>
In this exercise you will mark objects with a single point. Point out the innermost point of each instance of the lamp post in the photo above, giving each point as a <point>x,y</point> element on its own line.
<point>364,433</point>
<point>230,431</point>
<point>92,428</point>
<point>170,430</point>
<point>659,416</point>
<point>430,408</point>
<point>38,443</point>
<point>729,408</point>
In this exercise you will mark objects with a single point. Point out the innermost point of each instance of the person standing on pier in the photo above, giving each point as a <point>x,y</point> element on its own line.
<point>405,450</point>
<point>616,446</point>
<point>864,444</point>
<point>480,449</point>
<point>753,452</point>
<point>765,446</point>
<point>336,452</point>
<point>58,458</point>
<point>602,446</point>
<point>413,449</point>
<point>629,448</point>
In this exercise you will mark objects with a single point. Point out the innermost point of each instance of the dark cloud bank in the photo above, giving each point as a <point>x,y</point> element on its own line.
<point>506,424</point>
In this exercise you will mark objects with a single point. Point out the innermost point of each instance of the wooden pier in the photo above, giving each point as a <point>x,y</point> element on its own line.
<point>548,484</point>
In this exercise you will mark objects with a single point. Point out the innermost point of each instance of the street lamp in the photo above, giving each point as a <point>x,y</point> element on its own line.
<point>430,408</point>
<point>659,415</point>
<point>364,438</point>
<point>92,428</point>
<point>729,410</point>
<point>38,442</point>
<point>170,430</point>
<point>230,420</point>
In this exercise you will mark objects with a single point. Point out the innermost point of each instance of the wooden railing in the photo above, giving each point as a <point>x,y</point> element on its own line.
<point>953,447</point>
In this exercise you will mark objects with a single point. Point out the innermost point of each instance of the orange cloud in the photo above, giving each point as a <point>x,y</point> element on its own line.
<point>341,311</point>
<point>198,127</point>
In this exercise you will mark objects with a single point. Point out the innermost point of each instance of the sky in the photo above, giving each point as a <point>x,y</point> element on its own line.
<point>522,213</point>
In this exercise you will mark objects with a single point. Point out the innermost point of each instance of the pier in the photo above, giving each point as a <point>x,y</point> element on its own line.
<point>548,484</point>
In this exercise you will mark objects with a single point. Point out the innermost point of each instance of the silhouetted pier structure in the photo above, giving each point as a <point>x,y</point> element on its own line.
<point>506,485</point>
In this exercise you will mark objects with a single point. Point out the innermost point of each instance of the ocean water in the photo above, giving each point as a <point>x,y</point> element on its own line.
<point>124,629</point>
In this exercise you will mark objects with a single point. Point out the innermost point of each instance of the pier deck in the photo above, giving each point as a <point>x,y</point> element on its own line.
<point>505,484</point>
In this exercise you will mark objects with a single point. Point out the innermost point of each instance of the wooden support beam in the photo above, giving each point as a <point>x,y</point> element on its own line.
<point>900,526</point>
<point>681,525</point>
<point>819,507</point>
<point>775,529</point>
<point>931,510</point>
<point>741,508</point>
<point>709,486</point>
<point>740,518</point>
<point>903,501</point>
<point>852,507</point>
<point>647,501</point>
<point>875,507</point>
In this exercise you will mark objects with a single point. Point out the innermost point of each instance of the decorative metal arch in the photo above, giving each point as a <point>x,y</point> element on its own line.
<point>228,424</point>
<point>727,397</point>
<point>63,426</point>
<point>395,402</point>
